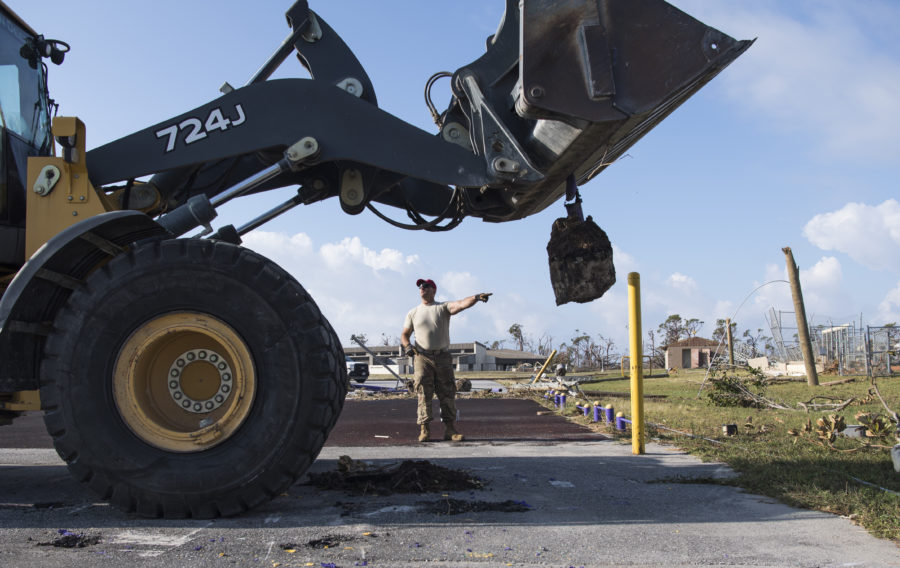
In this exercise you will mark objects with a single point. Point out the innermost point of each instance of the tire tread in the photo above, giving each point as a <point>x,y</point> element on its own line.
<point>315,342</point>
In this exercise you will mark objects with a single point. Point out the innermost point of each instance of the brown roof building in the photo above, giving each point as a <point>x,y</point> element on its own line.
<point>691,353</point>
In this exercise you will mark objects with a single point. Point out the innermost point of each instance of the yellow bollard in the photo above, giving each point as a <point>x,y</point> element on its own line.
<point>637,361</point>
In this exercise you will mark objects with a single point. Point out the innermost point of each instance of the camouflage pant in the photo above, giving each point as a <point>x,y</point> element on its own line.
<point>434,376</point>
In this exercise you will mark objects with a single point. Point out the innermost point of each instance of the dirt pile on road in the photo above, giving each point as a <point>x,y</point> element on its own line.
<point>410,476</point>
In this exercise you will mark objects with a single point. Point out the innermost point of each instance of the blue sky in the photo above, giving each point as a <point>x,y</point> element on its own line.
<point>796,144</point>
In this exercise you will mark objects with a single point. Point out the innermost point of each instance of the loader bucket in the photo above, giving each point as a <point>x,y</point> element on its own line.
<point>568,86</point>
<point>613,69</point>
<point>565,88</point>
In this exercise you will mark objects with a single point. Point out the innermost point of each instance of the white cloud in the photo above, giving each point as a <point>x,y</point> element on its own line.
<point>825,293</point>
<point>889,308</point>
<point>363,291</point>
<point>869,234</point>
<point>295,246</point>
<point>625,263</point>
<point>823,288</point>
<point>677,294</point>
<point>457,285</point>
<point>358,289</point>
<point>351,250</point>
<point>825,71</point>
<point>724,309</point>
<point>773,291</point>
<point>682,283</point>
<point>611,313</point>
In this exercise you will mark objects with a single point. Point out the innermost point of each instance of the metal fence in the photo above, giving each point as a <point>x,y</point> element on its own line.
<point>846,349</point>
<point>882,345</point>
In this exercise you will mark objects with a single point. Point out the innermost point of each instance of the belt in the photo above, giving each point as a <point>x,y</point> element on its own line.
<point>431,352</point>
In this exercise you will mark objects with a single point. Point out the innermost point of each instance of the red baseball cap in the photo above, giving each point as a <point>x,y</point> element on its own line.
<point>429,281</point>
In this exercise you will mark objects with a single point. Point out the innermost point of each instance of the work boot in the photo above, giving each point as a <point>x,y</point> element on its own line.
<point>424,432</point>
<point>451,434</point>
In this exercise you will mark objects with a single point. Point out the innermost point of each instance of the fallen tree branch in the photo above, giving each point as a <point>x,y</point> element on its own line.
<point>840,382</point>
<point>835,406</point>
<point>890,412</point>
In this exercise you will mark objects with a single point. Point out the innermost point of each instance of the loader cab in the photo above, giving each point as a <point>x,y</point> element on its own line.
<point>24,129</point>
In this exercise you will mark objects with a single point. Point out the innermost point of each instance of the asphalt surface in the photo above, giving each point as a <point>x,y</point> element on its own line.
<point>586,500</point>
<point>393,422</point>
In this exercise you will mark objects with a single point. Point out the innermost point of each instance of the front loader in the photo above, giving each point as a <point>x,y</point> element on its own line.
<point>183,375</point>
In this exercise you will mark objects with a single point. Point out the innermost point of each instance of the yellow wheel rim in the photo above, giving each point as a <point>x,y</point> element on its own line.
<point>184,382</point>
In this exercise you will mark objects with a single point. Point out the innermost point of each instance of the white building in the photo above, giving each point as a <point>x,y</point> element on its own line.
<point>473,356</point>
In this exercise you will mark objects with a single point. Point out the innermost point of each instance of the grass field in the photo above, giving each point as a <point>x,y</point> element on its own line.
<point>850,478</point>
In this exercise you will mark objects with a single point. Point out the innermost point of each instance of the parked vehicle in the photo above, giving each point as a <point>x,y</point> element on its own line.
<point>356,370</point>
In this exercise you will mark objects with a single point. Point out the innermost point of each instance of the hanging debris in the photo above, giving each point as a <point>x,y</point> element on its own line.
<point>580,255</point>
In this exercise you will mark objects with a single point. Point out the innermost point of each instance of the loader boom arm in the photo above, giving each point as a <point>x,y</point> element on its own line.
<point>563,89</point>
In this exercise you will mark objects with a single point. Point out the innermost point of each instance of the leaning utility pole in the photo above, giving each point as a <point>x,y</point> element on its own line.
<point>730,342</point>
<point>812,378</point>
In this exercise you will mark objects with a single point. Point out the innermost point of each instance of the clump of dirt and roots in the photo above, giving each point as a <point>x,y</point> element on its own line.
<point>362,478</point>
<point>450,506</point>
<point>410,476</point>
<point>68,539</point>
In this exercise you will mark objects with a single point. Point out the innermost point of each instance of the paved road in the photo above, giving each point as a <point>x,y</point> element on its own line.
<point>589,503</point>
<point>391,422</point>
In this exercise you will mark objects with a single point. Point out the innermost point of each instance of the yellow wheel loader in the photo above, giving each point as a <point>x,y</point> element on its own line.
<point>183,375</point>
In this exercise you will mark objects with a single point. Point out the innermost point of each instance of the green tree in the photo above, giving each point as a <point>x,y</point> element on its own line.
<point>675,329</point>
<point>581,348</point>
<point>657,355</point>
<point>515,330</point>
<point>543,345</point>
<point>607,344</point>
<point>671,330</point>
<point>719,334</point>
<point>563,355</point>
<point>758,343</point>
<point>692,327</point>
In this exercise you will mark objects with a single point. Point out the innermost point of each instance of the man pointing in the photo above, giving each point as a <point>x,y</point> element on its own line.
<point>430,322</point>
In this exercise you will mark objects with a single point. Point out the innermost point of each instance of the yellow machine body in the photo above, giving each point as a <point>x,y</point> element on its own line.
<point>59,193</point>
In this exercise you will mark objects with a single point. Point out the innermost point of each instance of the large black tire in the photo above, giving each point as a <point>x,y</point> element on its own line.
<point>150,427</point>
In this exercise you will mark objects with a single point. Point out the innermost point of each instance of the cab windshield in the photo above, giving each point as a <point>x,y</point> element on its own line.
<point>24,105</point>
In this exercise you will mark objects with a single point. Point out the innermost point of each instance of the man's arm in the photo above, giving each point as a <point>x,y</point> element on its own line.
<point>405,341</point>
<point>459,305</point>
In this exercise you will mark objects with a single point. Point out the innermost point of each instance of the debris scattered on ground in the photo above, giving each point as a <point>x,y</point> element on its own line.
<point>459,506</point>
<point>346,464</point>
<point>68,539</point>
<point>48,505</point>
<point>410,476</point>
<point>329,541</point>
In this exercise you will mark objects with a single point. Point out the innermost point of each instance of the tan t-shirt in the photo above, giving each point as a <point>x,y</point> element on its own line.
<point>431,324</point>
